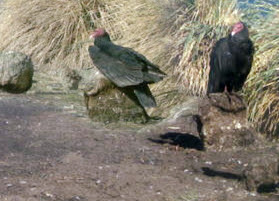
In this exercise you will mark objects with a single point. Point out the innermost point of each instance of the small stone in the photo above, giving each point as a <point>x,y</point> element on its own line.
<point>76,198</point>
<point>162,151</point>
<point>229,189</point>
<point>186,170</point>
<point>9,185</point>
<point>49,195</point>
<point>198,180</point>
<point>238,125</point>
<point>33,189</point>
<point>174,127</point>
<point>23,182</point>
<point>208,162</point>
<point>71,107</point>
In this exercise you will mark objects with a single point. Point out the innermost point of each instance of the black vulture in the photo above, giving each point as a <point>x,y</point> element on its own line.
<point>231,60</point>
<point>130,71</point>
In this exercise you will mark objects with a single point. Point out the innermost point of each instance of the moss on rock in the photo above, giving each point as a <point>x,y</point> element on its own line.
<point>112,105</point>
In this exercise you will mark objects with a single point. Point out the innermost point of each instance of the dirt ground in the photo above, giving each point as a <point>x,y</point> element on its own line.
<point>49,152</point>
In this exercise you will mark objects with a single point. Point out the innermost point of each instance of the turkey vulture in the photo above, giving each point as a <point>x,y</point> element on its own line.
<point>231,61</point>
<point>127,69</point>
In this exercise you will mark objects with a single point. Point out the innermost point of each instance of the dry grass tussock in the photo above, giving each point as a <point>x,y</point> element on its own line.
<point>57,32</point>
<point>262,86</point>
<point>54,32</point>
<point>47,31</point>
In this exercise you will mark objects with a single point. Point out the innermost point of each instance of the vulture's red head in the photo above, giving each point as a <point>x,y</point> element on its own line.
<point>238,27</point>
<point>98,33</point>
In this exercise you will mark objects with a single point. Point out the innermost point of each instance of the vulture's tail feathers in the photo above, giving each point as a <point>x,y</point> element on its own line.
<point>145,96</point>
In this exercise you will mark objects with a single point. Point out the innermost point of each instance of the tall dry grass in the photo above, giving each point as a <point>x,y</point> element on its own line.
<point>53,31</point>
<point>47,31</point>
<point>57,32</point>
<point>262,86</point>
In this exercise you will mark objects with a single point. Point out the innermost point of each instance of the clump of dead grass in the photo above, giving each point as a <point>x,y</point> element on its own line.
<point>55,31</point>
<point>262,86</point>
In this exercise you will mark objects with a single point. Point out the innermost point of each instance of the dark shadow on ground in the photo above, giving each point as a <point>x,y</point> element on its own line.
<point>216,173</point>
<point>268,188</point>
<point>184,140</point>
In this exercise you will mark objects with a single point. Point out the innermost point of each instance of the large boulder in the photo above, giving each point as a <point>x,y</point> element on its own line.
<point>218,120</point>
<point>224,122</point>
<point>88,78</point>
<point>112,105</point>
<point>107,103</point>
<point>16,72</point>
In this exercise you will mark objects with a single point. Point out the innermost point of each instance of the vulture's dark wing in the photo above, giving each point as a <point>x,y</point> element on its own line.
<point>214,75</point>
<point>245,69</point>
<point>151,72</point>
<point>222,67</point>
<point>116,70</point>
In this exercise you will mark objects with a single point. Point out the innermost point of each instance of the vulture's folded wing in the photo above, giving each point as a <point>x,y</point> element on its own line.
<point>151,72</point>
<point>117,71</point>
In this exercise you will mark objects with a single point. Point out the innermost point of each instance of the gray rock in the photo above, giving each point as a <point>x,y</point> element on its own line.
<point>16,72</point>
<point>89,78</point>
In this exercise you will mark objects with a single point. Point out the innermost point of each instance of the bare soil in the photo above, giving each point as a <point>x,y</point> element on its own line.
<point>51,151</point>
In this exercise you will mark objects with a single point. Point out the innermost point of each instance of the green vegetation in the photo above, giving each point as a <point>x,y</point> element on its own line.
<point>178,35</point>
